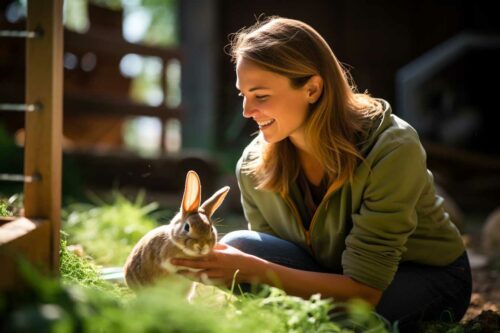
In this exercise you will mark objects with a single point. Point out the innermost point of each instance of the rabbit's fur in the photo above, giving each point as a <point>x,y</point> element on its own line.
<point>191,233</point>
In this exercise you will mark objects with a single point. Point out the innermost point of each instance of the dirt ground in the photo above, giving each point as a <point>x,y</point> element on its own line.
<point>486,292</point>
<point>485,300</point>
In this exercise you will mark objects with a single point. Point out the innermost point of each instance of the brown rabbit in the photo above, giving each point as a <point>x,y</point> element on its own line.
<point>191,233</point>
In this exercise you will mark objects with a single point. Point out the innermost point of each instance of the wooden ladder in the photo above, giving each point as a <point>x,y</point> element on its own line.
<point>35,236</point>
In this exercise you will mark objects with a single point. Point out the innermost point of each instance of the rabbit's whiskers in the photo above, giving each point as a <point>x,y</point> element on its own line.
<point>217,221</point>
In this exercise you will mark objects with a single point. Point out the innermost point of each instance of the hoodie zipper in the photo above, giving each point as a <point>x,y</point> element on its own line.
<point>298,219</point>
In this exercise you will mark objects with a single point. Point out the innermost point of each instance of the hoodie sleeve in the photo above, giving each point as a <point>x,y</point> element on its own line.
<point>387,216</point>
<point>256,221</point>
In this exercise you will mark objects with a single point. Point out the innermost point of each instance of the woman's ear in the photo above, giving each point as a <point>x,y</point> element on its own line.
<point>314,89</point>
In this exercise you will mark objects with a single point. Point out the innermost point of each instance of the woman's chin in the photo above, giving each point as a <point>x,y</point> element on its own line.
<point>270,138</point>
<point>267,138</point>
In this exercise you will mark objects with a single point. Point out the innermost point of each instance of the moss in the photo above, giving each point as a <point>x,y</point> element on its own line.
<point>4,210</point>
<point>82,271</point>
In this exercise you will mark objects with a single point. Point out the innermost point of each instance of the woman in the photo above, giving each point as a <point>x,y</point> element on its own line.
<point>335,188</point>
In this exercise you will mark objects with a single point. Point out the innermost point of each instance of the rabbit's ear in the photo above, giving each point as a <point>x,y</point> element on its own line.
<point>192,194</point>
<point>212,203</point>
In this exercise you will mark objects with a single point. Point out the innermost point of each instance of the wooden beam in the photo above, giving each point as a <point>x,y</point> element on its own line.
<point>93,105</point>
<point>15,228</point>
<point>105,42</point>
<point>90,104</point>
<point>44,83</point>
<point>27,238</point>
<point>200,47</point>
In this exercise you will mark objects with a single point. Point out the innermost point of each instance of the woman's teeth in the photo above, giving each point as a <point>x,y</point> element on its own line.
<point>266,123</point>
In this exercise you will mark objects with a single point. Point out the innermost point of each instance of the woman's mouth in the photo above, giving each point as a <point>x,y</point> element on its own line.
<point>264,124</point>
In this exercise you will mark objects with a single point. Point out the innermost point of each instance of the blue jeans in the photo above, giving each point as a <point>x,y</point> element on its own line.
<point>417,293</point>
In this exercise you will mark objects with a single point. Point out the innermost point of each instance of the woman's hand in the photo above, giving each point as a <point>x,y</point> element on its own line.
<point>220,265</point>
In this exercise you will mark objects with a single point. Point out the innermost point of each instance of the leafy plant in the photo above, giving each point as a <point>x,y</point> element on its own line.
<point>11,206</point>
<point>69,305</point>
<point>83,302</point>
<point>4,208</point>
<point>313,315</point>
<point>108,231</point>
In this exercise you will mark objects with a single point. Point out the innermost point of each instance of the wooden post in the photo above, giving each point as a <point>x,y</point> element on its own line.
<point>198,21</point>
<point>44,85</point>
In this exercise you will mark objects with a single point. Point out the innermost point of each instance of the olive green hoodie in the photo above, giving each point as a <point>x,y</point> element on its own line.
<point>388,214</point>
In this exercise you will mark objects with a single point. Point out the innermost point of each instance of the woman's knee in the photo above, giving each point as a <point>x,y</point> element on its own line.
<point>259,244</point>
<point>271,248</point>
<point>244,240</point>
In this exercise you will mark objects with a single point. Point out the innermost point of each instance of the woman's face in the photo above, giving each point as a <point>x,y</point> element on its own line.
<point>269,99</point>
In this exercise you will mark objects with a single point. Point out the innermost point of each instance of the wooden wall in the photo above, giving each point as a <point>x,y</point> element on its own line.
<point>376,38</point>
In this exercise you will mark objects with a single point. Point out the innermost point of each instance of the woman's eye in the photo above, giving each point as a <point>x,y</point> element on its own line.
<point>258,97</point>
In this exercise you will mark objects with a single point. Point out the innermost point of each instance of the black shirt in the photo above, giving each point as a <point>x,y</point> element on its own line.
<point>312,195</point>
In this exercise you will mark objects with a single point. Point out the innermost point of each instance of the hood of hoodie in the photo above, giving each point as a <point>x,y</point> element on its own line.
<point>380,124</point>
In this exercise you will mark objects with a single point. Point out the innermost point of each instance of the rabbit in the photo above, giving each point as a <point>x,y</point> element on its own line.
<point>191,233</point>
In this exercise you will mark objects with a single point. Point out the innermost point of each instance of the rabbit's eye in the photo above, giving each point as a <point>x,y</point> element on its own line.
<point>186,227</point>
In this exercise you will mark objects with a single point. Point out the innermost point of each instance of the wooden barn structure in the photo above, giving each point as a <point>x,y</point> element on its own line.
<point>36,235</point>
<point>378,38</point>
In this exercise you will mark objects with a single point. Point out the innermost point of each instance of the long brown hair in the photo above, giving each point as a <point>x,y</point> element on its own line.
<point>336,123</point>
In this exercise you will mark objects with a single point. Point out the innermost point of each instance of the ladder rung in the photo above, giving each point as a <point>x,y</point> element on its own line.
<point>20,107</point>
<point>21,33</point>
<point>19,178</point>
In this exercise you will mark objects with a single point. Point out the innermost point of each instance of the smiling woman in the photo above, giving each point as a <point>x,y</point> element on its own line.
<point>271,101</point>
<point>335,189</point>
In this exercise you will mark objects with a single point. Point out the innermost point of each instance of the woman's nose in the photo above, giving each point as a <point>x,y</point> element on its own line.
<point>247,109</point>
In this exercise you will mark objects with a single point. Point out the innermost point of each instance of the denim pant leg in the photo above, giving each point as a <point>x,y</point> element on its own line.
<point>426,293</point>
<point>273,249</point>
<point>417,292</point>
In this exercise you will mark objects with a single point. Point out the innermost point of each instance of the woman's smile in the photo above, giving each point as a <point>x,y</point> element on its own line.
<point>265,124</point>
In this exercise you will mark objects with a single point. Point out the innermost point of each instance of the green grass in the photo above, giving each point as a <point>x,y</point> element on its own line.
<point>81,302</point>
<point>11,206</point>
<point>4,208</point>
<point>81,271</point>
<point>108,230</point>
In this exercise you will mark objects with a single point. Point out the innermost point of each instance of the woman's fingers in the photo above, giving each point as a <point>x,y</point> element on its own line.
<point>220,246</point>
<point>211,276</point>
<point>192,263</point>
<point>221,264</point>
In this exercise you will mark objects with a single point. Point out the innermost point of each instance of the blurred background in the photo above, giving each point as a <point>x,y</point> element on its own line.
<point>149,91</point>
